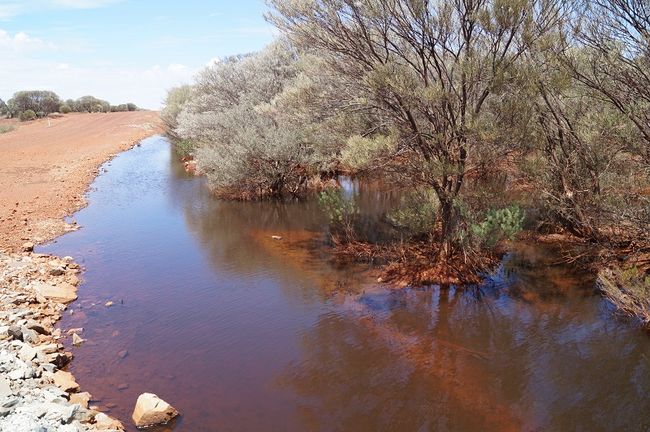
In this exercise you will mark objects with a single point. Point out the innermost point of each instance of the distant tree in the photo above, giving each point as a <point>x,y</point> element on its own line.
<point>65,109</point>
<point>3,108</point>
<point>40,101</point>
<point>131,106</point>
<point>92,104</point>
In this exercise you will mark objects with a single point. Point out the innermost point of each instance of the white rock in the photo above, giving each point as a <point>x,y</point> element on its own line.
<point>64,292</point>
<point>151,410</point>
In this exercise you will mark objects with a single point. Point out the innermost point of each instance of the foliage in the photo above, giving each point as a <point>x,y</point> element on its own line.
<point>340,211</point>
<point>27,115</point>
<point>361,152</point>
<point>499,224</point>
<point>37,101</point>
<point>253,133</point>
<point>65,109</point>
<point>184,147</point>
<point>417,213</point>
<point>175,101</point>
<point>430,69</point>
<point>6,128</point>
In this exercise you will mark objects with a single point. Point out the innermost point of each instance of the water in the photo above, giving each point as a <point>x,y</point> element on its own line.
<point>242,332</point>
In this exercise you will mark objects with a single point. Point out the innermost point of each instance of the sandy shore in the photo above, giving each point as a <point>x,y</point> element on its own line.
<point>47,166</point>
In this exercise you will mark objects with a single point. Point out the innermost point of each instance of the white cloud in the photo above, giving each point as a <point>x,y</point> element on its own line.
<point>177,68</point>
<point>21,42</point>
<point>213,61</point>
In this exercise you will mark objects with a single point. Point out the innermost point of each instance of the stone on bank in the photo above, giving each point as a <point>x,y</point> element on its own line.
<point>150,410</point>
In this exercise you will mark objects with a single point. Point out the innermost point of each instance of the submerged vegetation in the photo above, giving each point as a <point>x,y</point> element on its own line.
<point>491,116</point>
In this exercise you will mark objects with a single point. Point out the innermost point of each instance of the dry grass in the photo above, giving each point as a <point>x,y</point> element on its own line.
<point>4,128</point>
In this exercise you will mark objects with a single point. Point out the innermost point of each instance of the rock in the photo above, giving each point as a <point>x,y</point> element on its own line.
<point>27,353</point>
<point>108,304</point>
<point>82,399</point>
<point>77,340</point>
<point>29,335</point>
<point>57,271</point>
<point>5,389</point>
<point>122,386</point>
<point>60,359</point>
<point>75,330</point>
<point>122,354</point>
<point>151,410</point>
<point>37,327</point>
<point>64,293</point>
<point>275,237</point>
<point>65,381</point>
<point>104,422</point>
<point>28,247</point>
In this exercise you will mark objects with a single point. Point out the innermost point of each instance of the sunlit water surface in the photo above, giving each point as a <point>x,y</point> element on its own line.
<point>242,332</point>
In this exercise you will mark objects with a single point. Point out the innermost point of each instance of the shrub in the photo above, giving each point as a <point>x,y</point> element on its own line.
<point>27,115</point>
<point>184,147</point>
<point>498,225</point>
<point>6,128</point>
<point>340,211</point>
<point>417,213</point>
<point>65,109</point>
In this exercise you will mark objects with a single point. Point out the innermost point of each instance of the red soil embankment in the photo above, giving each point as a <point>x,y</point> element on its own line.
<point>47,165</point>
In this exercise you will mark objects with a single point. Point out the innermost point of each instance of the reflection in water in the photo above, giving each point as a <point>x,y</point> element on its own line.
<point>242,332</point>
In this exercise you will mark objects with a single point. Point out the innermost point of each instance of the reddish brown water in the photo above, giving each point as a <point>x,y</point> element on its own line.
<point>245,333</point>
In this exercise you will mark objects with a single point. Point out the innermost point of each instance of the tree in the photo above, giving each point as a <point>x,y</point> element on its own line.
<point>3,108</point>
<point>175,101</point>
<point>616,35</point>
<point>430,68</point>
<point>252,134</point>
<point>92,104</point>
<point>42,102</point>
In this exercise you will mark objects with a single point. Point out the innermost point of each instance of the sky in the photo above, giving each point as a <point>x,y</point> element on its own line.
<point>121,50</point>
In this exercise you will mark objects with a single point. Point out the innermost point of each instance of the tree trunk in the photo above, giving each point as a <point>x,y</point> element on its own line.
<point>447,228</point>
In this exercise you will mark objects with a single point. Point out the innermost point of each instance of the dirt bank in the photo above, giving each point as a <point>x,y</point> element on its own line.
<point>47,166</point>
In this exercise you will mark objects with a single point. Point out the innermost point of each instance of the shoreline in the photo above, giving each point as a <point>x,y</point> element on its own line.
<point>35,290</point>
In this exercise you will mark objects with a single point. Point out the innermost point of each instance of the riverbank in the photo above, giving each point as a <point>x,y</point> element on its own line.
<point>47,167</point>
<point>48,164</point>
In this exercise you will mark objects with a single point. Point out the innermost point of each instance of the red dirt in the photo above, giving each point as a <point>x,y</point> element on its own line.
<point>47,166</point>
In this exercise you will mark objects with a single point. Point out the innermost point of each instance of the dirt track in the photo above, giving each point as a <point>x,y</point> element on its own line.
<point>45,169</point>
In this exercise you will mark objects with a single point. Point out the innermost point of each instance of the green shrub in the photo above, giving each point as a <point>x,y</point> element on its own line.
<point>65,109</point>
<point>340,211</point>
<point>184,147</point>
<point>498,225</point>
<point>6,128</point>
<point>27,115</point>
<point>417,212</point>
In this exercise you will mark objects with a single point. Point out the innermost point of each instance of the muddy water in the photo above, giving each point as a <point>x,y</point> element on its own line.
<point>242,332</point>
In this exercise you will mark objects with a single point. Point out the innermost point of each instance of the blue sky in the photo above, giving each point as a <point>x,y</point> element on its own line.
<point>121,50</point>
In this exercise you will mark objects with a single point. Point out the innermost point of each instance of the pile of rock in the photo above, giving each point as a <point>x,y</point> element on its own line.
<point>35,394</point>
